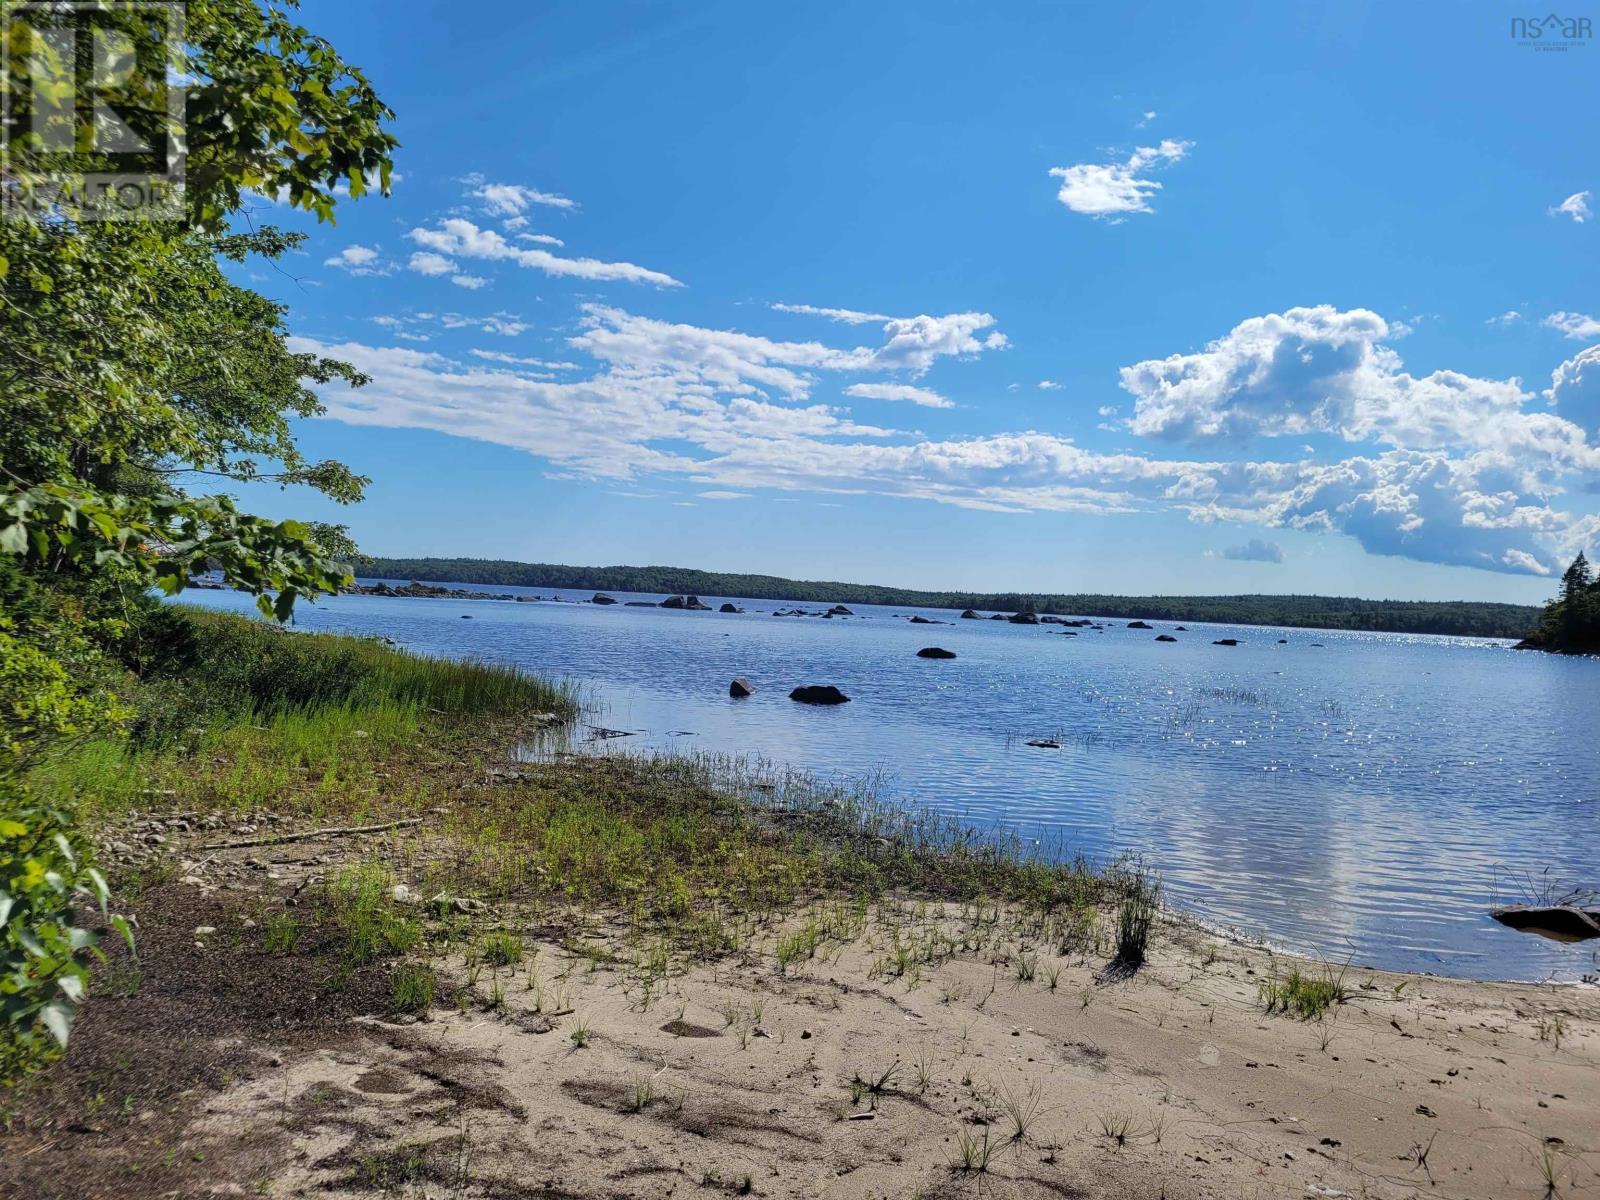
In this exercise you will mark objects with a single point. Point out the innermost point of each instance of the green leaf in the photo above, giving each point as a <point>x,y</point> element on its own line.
<point>58,1016</point>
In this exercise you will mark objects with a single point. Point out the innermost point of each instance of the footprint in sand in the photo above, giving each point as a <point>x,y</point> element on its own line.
<point>1209,1055</point>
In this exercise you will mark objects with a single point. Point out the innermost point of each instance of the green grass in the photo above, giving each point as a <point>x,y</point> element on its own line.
<point>1305,996</point>
<point>411,987</point>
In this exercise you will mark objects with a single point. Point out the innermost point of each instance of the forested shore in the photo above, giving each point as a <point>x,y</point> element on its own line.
<point>1461,618</point>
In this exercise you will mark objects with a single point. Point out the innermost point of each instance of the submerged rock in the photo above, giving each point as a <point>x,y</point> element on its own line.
<point>935,652</point>
<point>1045,743</point>
<point>740,688</point>
<point>1139,625</point>
<point>1558,922</point>
<point>1165,637</point>
<point>927,621</point>
<point>819,694</point>
<point>1226,642</point>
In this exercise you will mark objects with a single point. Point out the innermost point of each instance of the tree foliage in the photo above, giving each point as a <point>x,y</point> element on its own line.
<point>1571,622</point>
<point>131,366</point>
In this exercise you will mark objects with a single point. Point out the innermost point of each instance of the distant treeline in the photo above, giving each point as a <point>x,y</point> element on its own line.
<point>1459,617</point>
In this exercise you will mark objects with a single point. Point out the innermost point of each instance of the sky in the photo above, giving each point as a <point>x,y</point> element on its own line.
<point>1056,297</point>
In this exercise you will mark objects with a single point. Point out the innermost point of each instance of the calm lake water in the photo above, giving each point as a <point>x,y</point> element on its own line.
<point>1356,795</point>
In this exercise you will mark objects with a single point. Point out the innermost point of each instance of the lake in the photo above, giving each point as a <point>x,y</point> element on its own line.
<point>1360,796</point>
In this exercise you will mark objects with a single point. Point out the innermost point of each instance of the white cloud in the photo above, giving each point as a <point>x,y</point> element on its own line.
<point>848,316</point>
<point>1575,390</point>
<point>1110,190</point>
<point>471,282</point>
<point>539,239</point>
<point>1509,317</point>
<point>1575,206</point>
<point>419,327</point>
<point>895,391</point>
<point>461,238</point>
<point>680,401</point>
<point>425,262</point>
<point>1049,385</point>
<point>1145,119</point>
<point>1319,370</point>
<point>358,260</point>
<point>1106,410</point>
<point>1255,550</point>
<point>720,495</point>
<point>524,361</point>
<point>512,199</point>
<point>1578,326</point>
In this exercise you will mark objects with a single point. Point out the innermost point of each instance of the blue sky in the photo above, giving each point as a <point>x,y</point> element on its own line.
<point>1110,297</point>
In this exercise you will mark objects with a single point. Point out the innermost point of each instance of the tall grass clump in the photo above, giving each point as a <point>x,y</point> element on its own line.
<point>1136,913</point>
<point>211,663</point>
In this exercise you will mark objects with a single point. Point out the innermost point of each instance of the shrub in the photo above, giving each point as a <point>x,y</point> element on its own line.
<point>47,884</point>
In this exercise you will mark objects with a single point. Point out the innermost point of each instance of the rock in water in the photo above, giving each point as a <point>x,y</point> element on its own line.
<point>1045,743</point>
<point>1226,642</point>
<point>1165,637</point>
<point>740,688</point>
<point>730,608</point>
<point>1139,625</point>
<point>819,694</point>
<point>674,602</point>
<point>1558,922</point>
<point>935,652</point>
<point>969,615</point>
<point>1025,618</point>
<point>602,598</point>
<point>839,610</point>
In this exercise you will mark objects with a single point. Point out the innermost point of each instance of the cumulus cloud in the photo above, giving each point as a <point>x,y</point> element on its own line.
<point>1575,206</point>
<point>897,391</point>
<point>461,238</point>
<point>730,412</point>
<point>1112,190</point>
<point>471,282</point>
<point>1579,326</point>
<point>425,262</point>
<point>1574,390</point>
<point>1324,371</point>
<point>1049,385</point>
<point>358,260</point>
<point>1255,550</point>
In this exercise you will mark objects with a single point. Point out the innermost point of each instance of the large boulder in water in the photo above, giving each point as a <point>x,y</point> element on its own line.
<point>1139,625</point>
<point>602,598</point>
<point>1024,618</point>
<point>740,688</point>
<point>1558,922</point>
<point>819,694</point>
<point>839,610</point>
<point>693,602</point>
<point>730,608</point>
<point>969,615</point>
<point>935,652</point>
<point>1165,637</point>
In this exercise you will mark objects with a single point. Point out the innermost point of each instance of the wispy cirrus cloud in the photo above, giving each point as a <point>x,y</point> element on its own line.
<point>461,238</point>
<point>1111,191</point>
<point>1575,206</point>
<point>925,397</point>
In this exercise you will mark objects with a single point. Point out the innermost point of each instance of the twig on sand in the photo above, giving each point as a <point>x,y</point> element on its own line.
<point>331,831</point>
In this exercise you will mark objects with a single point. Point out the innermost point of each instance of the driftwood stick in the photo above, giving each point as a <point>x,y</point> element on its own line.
<point>333,831</point>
